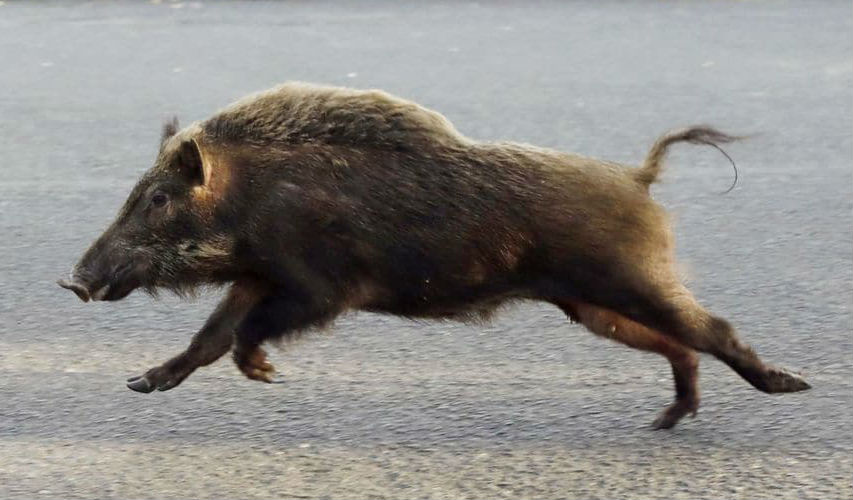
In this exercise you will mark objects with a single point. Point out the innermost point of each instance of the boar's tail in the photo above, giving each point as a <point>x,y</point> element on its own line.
<point>700,134</point>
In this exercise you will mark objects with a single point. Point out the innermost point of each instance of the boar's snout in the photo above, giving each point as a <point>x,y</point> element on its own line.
<point>114,285</point>
<point>76,287</point>
<point>105,272</point>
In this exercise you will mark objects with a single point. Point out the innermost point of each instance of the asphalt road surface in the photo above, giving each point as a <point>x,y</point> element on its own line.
<point>529,406</point>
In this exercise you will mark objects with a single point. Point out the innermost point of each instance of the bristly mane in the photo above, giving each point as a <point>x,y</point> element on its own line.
<point>296,113</point>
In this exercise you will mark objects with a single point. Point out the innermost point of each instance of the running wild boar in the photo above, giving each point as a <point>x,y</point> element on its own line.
<point>309,201</point>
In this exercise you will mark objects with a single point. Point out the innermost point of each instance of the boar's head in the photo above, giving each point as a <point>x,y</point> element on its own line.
<point>165,235</point>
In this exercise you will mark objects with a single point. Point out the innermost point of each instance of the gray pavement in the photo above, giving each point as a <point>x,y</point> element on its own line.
<point>384,408</point>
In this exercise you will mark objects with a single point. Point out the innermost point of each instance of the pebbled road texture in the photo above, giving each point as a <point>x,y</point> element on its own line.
<point>378,407</point>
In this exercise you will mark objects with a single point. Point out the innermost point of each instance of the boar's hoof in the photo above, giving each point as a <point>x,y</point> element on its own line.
<point>780,380</point>
<point>674,412</point>
<point>255,366</point>
<point>161,378</point>
<point>140,384</point>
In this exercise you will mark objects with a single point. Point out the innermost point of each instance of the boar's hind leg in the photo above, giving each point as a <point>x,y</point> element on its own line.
<point>208,345</point>
<point>673,311</point>
<point>684,361</point>
<point>278,316</point>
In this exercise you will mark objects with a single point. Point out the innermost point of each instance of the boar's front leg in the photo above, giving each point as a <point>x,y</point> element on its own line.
<point>208,345</point>
<point>281,315</point>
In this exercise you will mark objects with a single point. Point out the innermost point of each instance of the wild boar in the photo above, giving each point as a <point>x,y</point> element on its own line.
<point>309,201</point>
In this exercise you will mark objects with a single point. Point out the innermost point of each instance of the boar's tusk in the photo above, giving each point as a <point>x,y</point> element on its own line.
<point>100,293</point>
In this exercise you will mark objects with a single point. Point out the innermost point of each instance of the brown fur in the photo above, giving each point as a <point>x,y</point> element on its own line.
<point>317,200</point>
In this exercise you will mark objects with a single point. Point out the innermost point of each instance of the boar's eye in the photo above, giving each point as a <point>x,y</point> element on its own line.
<point>159,199</point>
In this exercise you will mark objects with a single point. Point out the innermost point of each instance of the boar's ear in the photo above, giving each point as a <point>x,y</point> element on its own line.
<point>170,128</point>
<point>191,163</point>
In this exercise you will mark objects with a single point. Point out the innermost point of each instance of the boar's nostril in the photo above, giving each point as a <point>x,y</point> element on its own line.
<point>77,288</point>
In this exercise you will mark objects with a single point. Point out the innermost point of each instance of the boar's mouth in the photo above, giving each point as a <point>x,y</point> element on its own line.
<point>118,286</point>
